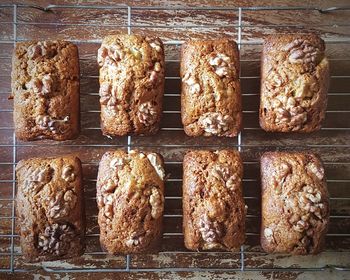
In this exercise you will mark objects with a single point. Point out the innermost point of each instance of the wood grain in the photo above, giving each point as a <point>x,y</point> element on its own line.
<point>86,27</point>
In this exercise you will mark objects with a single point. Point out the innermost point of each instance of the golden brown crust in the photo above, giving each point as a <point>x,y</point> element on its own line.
<point>295,203</point>
<point>210,95</point>
<point>131,84</point>
<point>213,205</point>
<point>45,88</point>
<point>130,198</point>
<point>50,208</point>
<point>294,83</point>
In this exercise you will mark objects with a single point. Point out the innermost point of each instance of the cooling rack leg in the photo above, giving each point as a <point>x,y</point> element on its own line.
<point>128,261</point>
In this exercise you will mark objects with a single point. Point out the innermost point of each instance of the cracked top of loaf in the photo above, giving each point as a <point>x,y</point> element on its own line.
<point>45,88</point>
<point>294,83</point>
<point>295,203</point>
<point>131,84</point>
<point>130,198</point>
<point>49,207</point>
<point>210,95</point>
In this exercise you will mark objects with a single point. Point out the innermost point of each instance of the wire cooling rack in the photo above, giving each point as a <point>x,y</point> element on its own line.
<point>247,259</point>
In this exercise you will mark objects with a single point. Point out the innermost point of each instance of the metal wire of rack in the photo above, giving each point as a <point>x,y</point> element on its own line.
<point>129,144</point>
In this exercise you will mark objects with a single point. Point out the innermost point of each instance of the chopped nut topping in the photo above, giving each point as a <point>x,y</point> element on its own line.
<point>56,239</point>
<point>142,155</point>
<point>46,122</point>
<point>105,93</point>
<point>221,64</point>
<point>109,55</point>
<point>156,201</point>
<point>136,239</point>
<point>227,176</point>
<point>196,88</point>
<point>307,203</point>
<point>68,173</point>
<point>222,71</point>
<point>233,182</point>
<point>317,170</point>
<point>108,205</point>
<point>62,204</point>
<point>215,123</point>
<point>301,226</point>
<point>116,162</point>
<point>157,67</point>
<point>209,230</point>
<point>37,178</point>
<point>99,200</point>
<point>281,172</point>
<point>110,63</point>
<point>291,103</point>
<point>102,53</point>
<point>115,52</point>
<point>43,121</point>
<point>268,233</point>
<point>154,43</point>
<point>153,77</point>
<point>42,86</point>
<point>37,50</point>
<point>157,165</point>
<point>156,47</point>
<point>104,197</point>
<point>46,84</point>
<point>190,81</point>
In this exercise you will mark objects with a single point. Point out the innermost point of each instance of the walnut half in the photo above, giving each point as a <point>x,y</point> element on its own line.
<point>147,113</point>
<point>210,230</point>
<point>302,51</point>
<point>62,204</point>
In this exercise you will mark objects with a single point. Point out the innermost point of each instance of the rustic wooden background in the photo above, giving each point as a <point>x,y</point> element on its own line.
<point>86,27</point>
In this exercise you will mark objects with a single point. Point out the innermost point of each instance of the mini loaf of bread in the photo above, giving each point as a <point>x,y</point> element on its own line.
<point>131,84</point>
<point>211,95</point>
<point>295,203</point>
<point>213,206</point>
<point>294,83</point>
<point>45,88</point>
<point>130,198</point>
<point>50,208</point>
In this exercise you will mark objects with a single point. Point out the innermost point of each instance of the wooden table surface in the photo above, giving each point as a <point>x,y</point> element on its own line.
<point>86,27</point>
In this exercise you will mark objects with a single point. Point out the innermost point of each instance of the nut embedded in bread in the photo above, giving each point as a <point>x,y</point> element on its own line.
<point>210,95</point>
<point>45,88</point>
<point>130,199</point>
<point>295,203</point>
<point>131,84</point>
<point>294,83</point>
<point>50,208</point>
<point>213,206</point>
